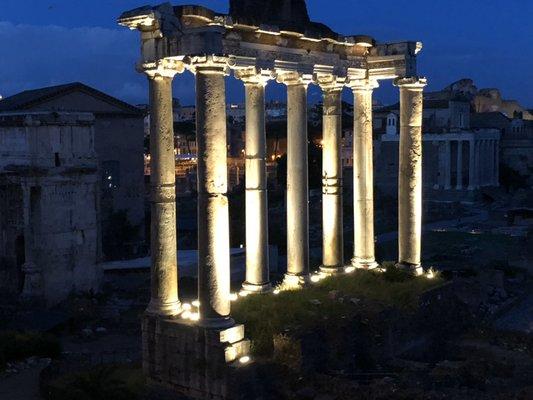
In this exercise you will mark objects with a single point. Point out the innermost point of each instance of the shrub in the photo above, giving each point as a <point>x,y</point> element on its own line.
<point>103,382</point>
<point>16,346</point>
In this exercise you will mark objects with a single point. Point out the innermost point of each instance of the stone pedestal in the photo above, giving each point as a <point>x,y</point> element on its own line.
<point>199,363</point>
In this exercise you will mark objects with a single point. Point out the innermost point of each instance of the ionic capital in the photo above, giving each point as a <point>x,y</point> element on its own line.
<point>364,85</point>
<point>329,82</point>
<point>254,76</point>
<point>211,64</point>
<point>291,78</point>
<point>414,83</point>
<point>165,68</point>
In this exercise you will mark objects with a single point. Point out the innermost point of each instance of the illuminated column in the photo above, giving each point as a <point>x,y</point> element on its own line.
<point>164,272</point>
<point>472,174</point>
<point>332,239</point>
<point>363,175</point>
<point>297,181</point>
<point>459,185</point>
<point>213,214</point>
<point>410,174</point>
<point>257,273</point>
<point>447,165</point>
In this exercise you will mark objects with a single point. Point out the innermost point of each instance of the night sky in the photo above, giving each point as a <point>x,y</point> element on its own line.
<point>48,42</point>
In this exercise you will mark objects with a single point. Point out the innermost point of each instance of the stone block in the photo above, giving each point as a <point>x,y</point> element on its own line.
<point>196,362</point>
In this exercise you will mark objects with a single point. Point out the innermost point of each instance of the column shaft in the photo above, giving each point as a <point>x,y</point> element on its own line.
<point>472,174</point>
<point>257,272</point>
<point>164,273</point>
<point>410,174</point>
<point>332,239</point>
<point>363,175</point>
<point>459,185</point>
<point>213,217</point>
<point>447,165</point>
<point>297,185</point>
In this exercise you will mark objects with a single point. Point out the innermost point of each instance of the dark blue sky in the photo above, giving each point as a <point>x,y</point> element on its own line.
<point>47,42</point>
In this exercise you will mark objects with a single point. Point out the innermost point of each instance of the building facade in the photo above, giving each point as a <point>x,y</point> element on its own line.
<point>118,144</point>
<point>49,232</point>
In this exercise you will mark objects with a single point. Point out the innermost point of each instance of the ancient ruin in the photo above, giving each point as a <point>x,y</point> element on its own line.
<point>201,353</point>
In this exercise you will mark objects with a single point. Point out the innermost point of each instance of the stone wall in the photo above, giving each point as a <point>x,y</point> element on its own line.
<point>49,244</point>
<point>197,362</point>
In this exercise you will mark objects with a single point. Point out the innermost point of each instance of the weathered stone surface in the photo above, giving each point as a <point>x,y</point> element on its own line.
<point>272,11</point>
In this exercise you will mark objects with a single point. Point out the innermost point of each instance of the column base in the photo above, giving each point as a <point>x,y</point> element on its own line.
<point>293,282</point>
<point>329,270</point>
<point>415,269</point>
<point>199,363</point>
<point>364,264</point>
<point>254,288</point>
<point>164,309</point>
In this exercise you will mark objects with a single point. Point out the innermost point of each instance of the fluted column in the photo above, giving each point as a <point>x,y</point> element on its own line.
<point>459,183</point>
<point>164,272</point>
<point>257,269</point>
<point>213,214</point>
<point>297,181</point>
<point>363,175</point>
<point>332,227</point>
<point>410,174</point>
<point>472,173</point>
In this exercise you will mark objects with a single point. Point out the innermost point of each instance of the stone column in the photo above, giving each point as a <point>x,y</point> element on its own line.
<point>164,270</point>
<point>472,173</point>
<point>459,185</point>
<point>410,174</point>
<point>297,181</point>
<point>332,238</point>
<point>363,175</point>
<point>257,268</point>
<point>213,213</point>
<point>447,165</point>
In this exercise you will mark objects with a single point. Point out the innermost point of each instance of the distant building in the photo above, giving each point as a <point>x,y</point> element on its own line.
<point>457,160</point>
<point>49,231</point>
<point>118,143</point>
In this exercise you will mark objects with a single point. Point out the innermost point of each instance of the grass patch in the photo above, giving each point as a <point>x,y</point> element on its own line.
<point>330,302</point>
<point>15,346</point>
<point>117,382</point>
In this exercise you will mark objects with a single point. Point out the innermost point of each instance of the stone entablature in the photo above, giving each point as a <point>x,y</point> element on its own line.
<point>171,36</point>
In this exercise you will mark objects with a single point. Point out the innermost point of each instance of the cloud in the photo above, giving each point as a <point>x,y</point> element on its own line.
<point>36,56</point>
